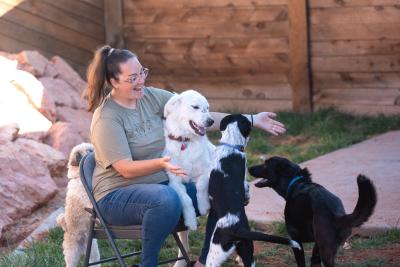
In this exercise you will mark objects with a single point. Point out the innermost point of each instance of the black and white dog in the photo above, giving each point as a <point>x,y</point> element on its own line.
<point>312,213</point>
<point>227,195</point>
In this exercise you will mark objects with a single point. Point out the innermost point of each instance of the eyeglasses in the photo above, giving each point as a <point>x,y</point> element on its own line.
<point>144,72</point>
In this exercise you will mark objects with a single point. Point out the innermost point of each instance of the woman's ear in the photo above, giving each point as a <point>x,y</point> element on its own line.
<point>114,83</point>
<point>171,104</point>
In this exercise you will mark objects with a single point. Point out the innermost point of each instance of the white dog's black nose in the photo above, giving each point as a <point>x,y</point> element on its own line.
<point>209,122</point>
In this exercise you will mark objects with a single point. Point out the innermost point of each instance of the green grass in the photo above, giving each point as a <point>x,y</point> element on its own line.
<point>308,136</point>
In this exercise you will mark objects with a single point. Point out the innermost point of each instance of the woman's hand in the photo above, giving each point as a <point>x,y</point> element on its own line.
<point>265,121</point>
<point>165,163</point>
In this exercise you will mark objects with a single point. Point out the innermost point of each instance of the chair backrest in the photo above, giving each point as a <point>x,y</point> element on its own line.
<point>87,165</point>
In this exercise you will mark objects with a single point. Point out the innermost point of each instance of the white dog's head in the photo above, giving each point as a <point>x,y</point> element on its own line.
<point>77,153</point>
<point>188,113</point>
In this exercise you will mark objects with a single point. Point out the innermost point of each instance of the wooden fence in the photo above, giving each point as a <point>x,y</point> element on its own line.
<point>242,55</point>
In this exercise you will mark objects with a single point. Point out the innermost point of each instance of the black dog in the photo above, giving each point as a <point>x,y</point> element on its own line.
<point>227,197</point>
<point>312,213</point>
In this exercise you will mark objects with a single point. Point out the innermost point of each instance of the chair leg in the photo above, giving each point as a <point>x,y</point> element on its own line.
<point>114,246</point>
<point>89,243</point>
<point>181,248</point>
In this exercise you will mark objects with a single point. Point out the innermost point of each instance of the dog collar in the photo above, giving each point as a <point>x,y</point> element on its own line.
<point>238,147</point>
<point>181,139</point>
<point>295,179</point>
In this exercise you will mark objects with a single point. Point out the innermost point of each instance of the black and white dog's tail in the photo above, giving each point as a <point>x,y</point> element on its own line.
<point>258,236</point>
<point>365,205</point>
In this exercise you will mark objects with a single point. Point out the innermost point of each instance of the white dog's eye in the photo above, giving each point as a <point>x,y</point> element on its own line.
<point>195,107</point>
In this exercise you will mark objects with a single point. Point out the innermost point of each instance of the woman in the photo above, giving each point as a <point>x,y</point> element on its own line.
<point>129,180</point>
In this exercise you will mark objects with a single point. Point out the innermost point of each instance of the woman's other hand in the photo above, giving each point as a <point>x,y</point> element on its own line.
<point>265,121</point>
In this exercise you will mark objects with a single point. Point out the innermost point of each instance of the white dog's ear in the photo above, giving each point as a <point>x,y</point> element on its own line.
<point>171,104</point>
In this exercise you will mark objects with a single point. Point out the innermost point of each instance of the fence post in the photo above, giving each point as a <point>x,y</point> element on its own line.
<point>299,78</point>
<point>113,23</point>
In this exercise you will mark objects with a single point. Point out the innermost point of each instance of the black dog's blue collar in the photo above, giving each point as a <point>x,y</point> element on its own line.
<point>238,147</point>
<point>295,179</point>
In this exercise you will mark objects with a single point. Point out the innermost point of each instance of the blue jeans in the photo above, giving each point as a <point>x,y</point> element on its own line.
<point>157,208</point>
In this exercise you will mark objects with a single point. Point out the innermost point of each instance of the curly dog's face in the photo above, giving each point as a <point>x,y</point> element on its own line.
<point>77,153</point>
<point>189,110</point>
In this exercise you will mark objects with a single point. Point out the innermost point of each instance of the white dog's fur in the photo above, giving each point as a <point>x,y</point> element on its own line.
<point>76,221</point>
<point>194,153</point>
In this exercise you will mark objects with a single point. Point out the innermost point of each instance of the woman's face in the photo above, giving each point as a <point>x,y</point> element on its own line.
<point>131,80</point>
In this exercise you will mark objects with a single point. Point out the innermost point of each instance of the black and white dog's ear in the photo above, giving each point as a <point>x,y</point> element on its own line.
<point>244,126</point>
<point>225,121</point>
<point>171,104</point>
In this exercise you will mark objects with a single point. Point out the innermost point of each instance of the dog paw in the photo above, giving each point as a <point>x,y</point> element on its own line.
<point>203,209</point>
<point>294,244</point>
<point>191,224</point>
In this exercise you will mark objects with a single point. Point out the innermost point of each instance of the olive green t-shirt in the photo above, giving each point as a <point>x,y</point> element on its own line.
<point>120,133</point>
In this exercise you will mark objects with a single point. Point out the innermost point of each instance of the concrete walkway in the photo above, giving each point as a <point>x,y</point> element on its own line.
<point>378,158</point>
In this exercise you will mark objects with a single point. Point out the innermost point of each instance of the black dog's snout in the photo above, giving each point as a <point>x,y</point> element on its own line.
<point>209,122</point>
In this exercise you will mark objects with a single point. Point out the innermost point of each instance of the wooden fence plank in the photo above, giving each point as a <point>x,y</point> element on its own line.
<point>356,15</point>
<point>298,47</point>
<point>354,31</point>
<point>229,30</point>
<point>243,105</point>
<point>356,48</point>
<point>201,3</point>
<point>227,91</point>
<point>209,47</point>
<point>359,96</point>
<point>204,14</point>
<point>356,80</point>
<point>357,64</point>
<point>352,3</point>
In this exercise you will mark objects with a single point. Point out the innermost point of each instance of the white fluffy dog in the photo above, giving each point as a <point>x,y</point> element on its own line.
<point>186,118</point>
<point>76,221</point>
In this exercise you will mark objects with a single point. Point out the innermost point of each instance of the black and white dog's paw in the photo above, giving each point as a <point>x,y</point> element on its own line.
<point>294,244</point>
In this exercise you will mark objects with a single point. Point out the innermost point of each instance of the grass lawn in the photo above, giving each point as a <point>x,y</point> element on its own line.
<point>308,136</point>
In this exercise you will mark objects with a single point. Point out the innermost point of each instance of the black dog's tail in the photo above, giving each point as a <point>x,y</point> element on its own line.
<point>365,205</point>
<point>258,236</point>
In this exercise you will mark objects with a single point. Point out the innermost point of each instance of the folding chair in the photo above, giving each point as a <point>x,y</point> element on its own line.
<point>101,230</point>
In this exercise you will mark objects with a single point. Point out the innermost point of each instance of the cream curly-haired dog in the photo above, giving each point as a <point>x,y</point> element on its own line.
<point>76,221</point>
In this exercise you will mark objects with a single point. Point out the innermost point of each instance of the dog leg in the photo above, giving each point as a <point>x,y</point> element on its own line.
<point>315,258</point>
<point>95,254</point>
<point>184,237</point>
<point>245,250</point>
<point>72,251</point>
<point>203,200</point>
<point>217,255</point>
<point>189,214</point>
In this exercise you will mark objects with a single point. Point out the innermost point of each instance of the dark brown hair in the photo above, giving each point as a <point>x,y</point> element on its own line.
<point>104,67</point>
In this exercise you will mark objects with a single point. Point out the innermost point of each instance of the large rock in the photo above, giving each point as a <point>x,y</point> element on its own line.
<point>15,107</point>
<point>62,93</point>
<point>80,118</point>
<point>63,136</point>
<point>32,62</point>
<point>55,161</point>
<point>25,182</point>
<point>8,133</point>
<point>37,95</point>
<point>68,74</point>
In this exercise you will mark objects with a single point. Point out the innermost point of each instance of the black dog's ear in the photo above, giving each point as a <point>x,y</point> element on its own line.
<point>225,121</point>
<point>244,126</point>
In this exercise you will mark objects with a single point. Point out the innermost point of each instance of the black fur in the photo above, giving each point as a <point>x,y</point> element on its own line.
<point>312,213</point>
<point>227,195</point>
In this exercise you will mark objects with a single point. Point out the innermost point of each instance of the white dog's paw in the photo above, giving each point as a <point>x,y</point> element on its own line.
<point>191,224</point>
<point>204,206</point>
